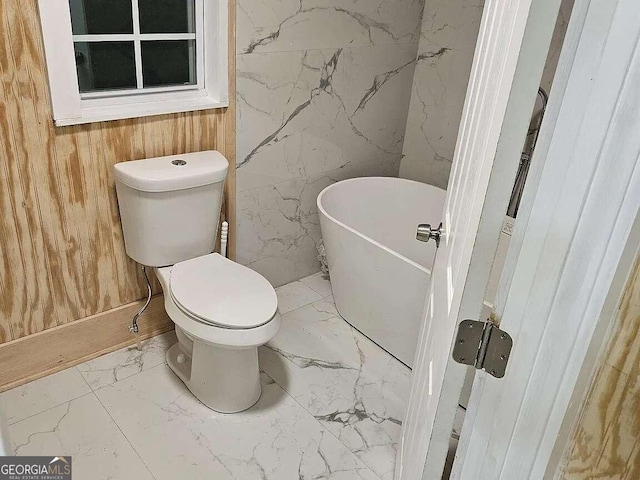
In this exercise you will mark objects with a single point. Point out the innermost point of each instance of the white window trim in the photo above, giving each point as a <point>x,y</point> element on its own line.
<point>72,108</point>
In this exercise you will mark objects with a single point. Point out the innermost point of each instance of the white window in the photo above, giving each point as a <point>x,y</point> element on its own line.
<point>112,59</point>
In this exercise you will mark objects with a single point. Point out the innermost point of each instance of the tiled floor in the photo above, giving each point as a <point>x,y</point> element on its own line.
<point>331,408</point>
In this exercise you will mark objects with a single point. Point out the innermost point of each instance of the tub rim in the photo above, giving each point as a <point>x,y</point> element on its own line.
<point>361,235</point>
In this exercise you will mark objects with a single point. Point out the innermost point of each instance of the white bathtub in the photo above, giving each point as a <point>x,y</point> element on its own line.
<point>379,271</point>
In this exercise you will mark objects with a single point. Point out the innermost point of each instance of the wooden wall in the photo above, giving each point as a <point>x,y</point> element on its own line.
<point>606,443</point>
<point>63,257</point>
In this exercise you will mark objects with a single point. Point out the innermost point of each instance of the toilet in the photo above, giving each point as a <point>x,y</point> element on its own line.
<point>223,311</point>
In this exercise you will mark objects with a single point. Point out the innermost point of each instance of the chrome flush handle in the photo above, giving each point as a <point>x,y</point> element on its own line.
<point>426,233</point>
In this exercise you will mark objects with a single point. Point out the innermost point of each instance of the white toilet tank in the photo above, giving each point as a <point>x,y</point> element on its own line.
<point>170,206</point>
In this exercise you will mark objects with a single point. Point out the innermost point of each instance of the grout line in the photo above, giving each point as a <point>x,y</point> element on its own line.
<point>311,275</point>
<point>75,367</point>
<point>364,338</point>
<point>54,406</point>
<point>319,293</point>
<point>129,347</point>
<point>125,436</point>
<point>324,428</point>
<point>50,408</point>
<point>304,304</point>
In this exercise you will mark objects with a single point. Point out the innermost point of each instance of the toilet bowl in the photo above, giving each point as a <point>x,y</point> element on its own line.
<point>223,312</point>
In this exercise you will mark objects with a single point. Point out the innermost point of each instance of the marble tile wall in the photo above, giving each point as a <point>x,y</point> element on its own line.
<point>323,90</point>
<point>447,42</point>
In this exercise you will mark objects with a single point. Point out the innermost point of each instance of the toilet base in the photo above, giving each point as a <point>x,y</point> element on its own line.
<point>225,380</point>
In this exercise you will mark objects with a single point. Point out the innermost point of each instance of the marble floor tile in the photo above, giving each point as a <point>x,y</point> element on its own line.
<point>178,437</point>
<point>40,395</point>
<point>319,282</point>
<point>348,383</point>
<point>331,408</point>
<point>295,295</point>
<point>128,361</point>
<point>83,429</point>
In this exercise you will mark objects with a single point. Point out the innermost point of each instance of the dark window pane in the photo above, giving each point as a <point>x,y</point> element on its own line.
<point>105,65</point>
<point>166,16</point>
<point>101,16</point>
<point>168,62</point>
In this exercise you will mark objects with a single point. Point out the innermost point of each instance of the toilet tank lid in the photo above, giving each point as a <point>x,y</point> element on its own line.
<point>173,172</point>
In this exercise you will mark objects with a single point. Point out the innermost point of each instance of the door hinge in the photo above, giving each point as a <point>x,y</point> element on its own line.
<point>482,345</point>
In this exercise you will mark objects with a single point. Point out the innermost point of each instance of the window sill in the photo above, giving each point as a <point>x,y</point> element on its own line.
<point>143,109</point>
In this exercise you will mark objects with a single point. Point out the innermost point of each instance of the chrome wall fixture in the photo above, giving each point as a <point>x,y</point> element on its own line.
<point>525,160</point>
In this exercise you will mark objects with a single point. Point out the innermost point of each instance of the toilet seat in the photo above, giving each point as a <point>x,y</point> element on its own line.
<point>222,293</point>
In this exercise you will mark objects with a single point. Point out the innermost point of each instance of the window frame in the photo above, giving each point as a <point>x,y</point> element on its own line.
<point>70,107</point>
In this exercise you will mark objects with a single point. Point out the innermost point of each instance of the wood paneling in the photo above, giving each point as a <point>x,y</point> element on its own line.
<point>606,442</point>
<point>63,257</point>
<point>66,345</point>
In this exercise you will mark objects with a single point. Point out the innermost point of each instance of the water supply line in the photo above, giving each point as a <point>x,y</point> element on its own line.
<point>133,328</point>
<point>134,324</point>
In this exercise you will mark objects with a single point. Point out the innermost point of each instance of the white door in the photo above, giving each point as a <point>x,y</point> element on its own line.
<point>575,238</point>
<point>510,54</point>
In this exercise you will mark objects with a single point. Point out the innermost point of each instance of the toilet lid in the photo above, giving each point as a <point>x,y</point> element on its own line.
<point>221,292</point>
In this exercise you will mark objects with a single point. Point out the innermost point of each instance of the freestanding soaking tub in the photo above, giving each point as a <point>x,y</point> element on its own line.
<point>379,271</point>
